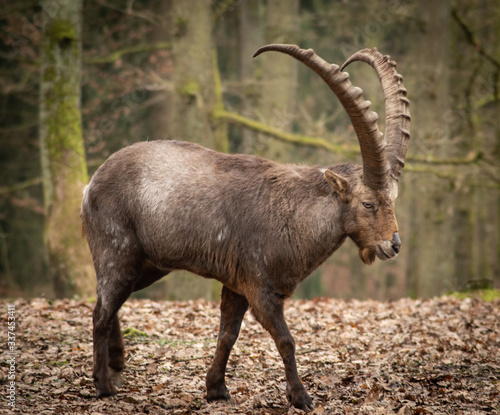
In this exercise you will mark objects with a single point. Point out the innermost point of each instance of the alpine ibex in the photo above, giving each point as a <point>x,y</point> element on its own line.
<point>256,226</point>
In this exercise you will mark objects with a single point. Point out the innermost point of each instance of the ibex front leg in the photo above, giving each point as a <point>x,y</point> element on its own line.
<point>268,309</point>
<point>233,308</point>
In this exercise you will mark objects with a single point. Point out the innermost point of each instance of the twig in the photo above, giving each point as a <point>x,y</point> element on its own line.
<point>130,12</point>
<point>20,186</point>
<point>233,118</point>
<point>189,359</point>
<point>144,47</point>
<point>302,352</point>
<point>317,142</point>
<point>472,39</point>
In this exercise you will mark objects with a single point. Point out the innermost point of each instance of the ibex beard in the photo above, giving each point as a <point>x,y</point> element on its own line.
<point>256,226</point>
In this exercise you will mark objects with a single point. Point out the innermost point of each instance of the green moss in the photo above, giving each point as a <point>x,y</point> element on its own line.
<point>490,294</point>
<point>132,333</point>
<point>61,31</point>
<point>234,118</point>
<point>487,294</point>
<point>63,157</point>
<point>60,363</point>
<point>63,121</point>
<point>189,89</point>
<point>49,75</point>
<point>181,25</point>
<point>64,130</point>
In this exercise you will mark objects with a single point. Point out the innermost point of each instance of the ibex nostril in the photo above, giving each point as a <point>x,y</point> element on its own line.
<point>396,243</point>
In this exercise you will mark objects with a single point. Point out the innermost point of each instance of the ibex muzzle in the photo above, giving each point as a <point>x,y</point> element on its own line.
<point>256,226</point>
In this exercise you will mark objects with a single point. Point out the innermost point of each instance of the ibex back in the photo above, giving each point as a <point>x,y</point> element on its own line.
<point>256,226</point>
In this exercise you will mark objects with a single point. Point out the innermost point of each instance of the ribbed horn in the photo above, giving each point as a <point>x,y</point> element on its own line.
<point>364,121</point>
<point>397,111</point>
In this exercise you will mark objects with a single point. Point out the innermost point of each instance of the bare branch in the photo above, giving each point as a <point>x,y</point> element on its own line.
<point>471,38</point>
<point>317,142</point>
<point>429,159</point>
<point>151,18</point>
<point>20,186</point>
<point>233,118</point>
<point>13,128</point>
<point>117,54</point>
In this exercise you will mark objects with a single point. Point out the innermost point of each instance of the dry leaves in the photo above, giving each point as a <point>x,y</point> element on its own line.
<point>439,356</point>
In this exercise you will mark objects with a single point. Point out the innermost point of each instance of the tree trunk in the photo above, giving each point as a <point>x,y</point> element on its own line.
<point>431,255</point>
<point>193,76</point>
<point>193,99</point>
<point>62,151</point>
<point>159,123</point>
<point>251,39</point>
<point>279,81</point>
<point>475,257</point>
<point>495,199</point>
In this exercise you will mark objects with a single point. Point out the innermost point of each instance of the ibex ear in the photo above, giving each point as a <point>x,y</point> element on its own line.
<point>339,184</point>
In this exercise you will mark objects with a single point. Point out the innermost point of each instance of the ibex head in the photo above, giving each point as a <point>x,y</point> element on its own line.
<point>368,192</point>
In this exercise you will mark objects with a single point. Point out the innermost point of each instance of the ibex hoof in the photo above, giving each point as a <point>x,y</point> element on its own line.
<point>218,394</point>
<point>304,402</point>
<point>116,377</point>
<point>108,389</point>
<point>299,398</point>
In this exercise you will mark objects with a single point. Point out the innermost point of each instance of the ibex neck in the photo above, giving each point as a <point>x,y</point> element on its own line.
<point>307,217</point>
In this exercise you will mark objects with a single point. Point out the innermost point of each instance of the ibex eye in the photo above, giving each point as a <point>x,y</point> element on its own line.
<point>368,205</point>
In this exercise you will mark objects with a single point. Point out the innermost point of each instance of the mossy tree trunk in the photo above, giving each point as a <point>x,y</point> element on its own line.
<point>250,39</point>
<point>159,125</point>
<point>62,151</point>
<point>430,258</point>
<point>279,77</point>
<point>495,199</point>
<point>193,76</point>
<point>192,102</point>
<point>476,207</point>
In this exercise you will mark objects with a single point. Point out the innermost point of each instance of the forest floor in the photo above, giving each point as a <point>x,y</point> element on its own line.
<point>438,356</point>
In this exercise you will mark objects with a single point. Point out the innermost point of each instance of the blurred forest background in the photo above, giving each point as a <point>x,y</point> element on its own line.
<point>79,80</point>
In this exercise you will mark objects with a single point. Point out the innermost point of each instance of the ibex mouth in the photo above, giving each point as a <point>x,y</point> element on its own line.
<point>384,251</point>
<point>387,250</point>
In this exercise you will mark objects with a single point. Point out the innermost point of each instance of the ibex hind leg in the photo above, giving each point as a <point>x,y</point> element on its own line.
<point>113,289</point>
<point>116,353</point>
<point>148,275</point>
<point>116,350</point>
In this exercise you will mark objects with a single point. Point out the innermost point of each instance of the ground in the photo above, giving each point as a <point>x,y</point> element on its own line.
<point>438,356</point>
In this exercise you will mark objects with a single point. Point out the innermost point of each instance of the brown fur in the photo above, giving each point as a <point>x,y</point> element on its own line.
<point>256,226</point>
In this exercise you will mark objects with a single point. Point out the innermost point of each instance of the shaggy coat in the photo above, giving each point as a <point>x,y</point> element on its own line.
<point>256,226</point>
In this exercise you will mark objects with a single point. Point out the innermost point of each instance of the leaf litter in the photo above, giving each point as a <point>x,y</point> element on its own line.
<point>436,356</point>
